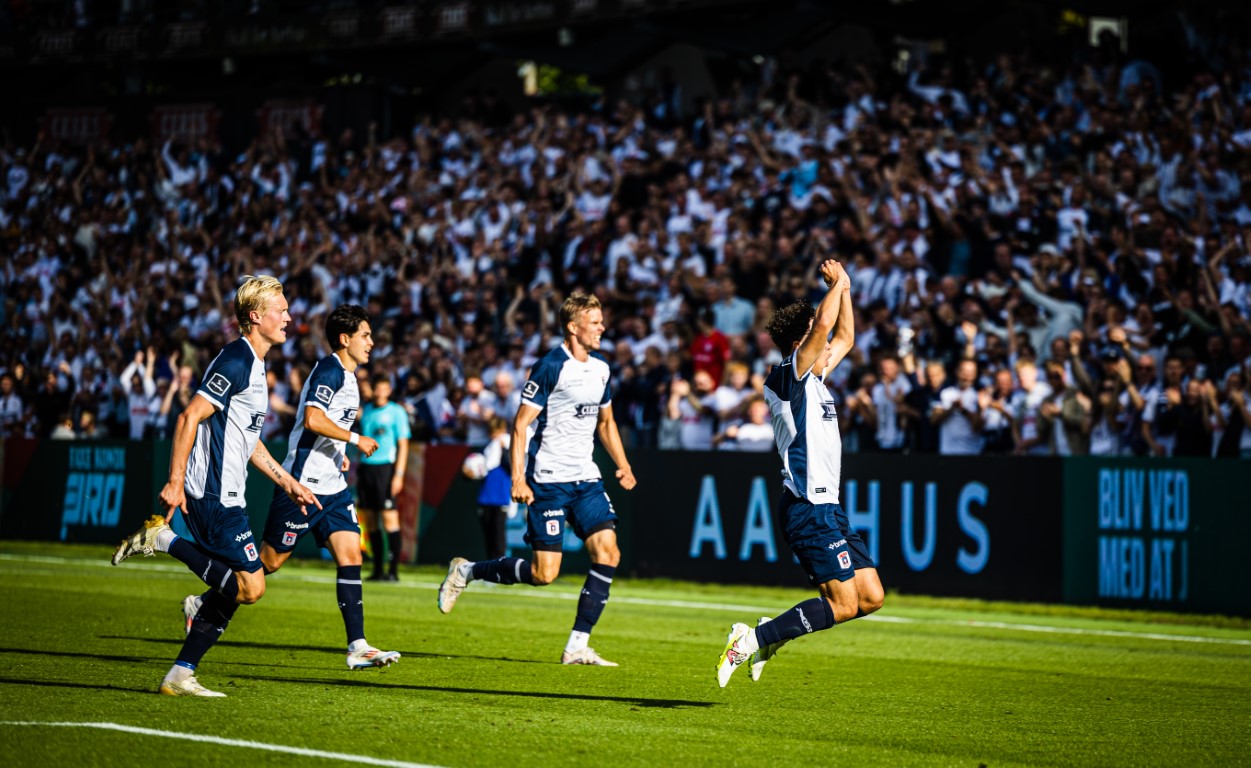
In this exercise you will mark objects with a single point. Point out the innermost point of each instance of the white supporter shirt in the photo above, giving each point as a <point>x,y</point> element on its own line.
<point>956,436</point>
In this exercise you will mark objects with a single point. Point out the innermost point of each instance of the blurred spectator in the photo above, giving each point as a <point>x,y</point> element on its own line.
<point>755,434</point>
<point>959,414</point>
<point>11,410</point>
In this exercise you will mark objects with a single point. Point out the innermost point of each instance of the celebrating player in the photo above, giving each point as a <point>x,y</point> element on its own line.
<point>214,440</point>
<point>317,458</point>
<point>567,398</point>
<point>805,427</point>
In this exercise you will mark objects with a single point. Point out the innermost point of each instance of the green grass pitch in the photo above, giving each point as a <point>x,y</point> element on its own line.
<point>926,682</point>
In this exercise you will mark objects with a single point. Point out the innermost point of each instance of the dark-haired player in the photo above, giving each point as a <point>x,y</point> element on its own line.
<point>805,428</point>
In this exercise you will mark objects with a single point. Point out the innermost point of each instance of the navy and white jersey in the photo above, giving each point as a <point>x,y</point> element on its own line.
<point>235,384</point>
<point>570,395</point>
<point>314,460</point>
<point>805,428</point>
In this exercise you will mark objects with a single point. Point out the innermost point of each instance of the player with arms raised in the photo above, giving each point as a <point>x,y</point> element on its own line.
<point>805,427</point>
<point>567,399</point>
<point>215,438</point>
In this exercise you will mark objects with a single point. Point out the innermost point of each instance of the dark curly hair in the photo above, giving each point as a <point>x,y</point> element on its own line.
<point>344,319</point>
<point>789,325</point>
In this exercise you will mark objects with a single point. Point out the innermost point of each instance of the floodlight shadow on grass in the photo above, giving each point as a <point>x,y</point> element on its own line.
<point>224,643</point>
<point>631,700</point>
<point>117,657</point>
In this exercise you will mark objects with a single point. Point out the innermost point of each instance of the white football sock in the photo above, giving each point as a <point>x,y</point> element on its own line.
<point>164,539</point>
<point>577,641</point>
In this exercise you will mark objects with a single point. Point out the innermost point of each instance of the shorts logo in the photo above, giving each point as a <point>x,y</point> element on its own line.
<point>249,549</point>
<point>352,511</point>
<point>553,527</point>
<point>218,385</point>
<point>844,560</point>
<point>243,536</point>
<point>288,538</point>
<point>554,513</point>
<point>837,544</point>
<point>295,526</point>
<point>323,393</point>
<point>530,389</point>
<point>584,410</point>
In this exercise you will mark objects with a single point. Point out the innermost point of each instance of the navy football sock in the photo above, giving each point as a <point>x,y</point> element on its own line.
<point>348,590</point>
<point>393,551</point>
<point>207,627</point>
<point>809,616</point>
<point>506,570</point>
<point>216,575</point>
<point>594,597</point>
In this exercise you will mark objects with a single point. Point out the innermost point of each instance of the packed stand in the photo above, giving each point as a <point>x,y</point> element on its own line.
<point>1043,261</point>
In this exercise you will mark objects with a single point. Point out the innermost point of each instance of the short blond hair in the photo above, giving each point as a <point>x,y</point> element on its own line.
<point>254,295</point>
<point>574,306</point>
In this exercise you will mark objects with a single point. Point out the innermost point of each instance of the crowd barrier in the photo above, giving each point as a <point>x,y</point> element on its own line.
<point>1166,534</point>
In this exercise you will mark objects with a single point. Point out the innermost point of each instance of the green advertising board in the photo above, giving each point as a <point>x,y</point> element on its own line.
<point>1155,533</point>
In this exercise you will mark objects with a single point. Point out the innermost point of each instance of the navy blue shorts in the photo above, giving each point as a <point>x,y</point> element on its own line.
<point>584,504</point>
<point>822,538</point>
<point>223,532</point>
<point>286,524</point>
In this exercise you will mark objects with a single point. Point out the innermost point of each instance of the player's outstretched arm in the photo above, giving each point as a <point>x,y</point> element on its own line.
<point>611,438</point>
<point>264,461</point>
<point>173,495</point>
<point>844,327</point>
<point>827,314</point>
<point>526,414</point>
<point>317,422</point>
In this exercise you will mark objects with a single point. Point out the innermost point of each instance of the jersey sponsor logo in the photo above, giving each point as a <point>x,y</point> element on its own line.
<point>553,527</point>
<point>349,415</point>
<point>844,560</point>
<point>583,410</point>
<point>288,538</point>
<point>828,413</point>
<point>530,389</point>
<point>243,536</point>
<point>822,489</point>
<point>249,549</point>
<point>258,421</point>
<point>323,393</point>
<point>295,526</point>
<point>218,385</point>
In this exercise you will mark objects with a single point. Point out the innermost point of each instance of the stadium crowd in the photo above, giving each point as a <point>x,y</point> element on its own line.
<point>1044,260</point>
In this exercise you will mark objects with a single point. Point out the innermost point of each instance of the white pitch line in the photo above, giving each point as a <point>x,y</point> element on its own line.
<point>689,605</point>
<point>301,751</point>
